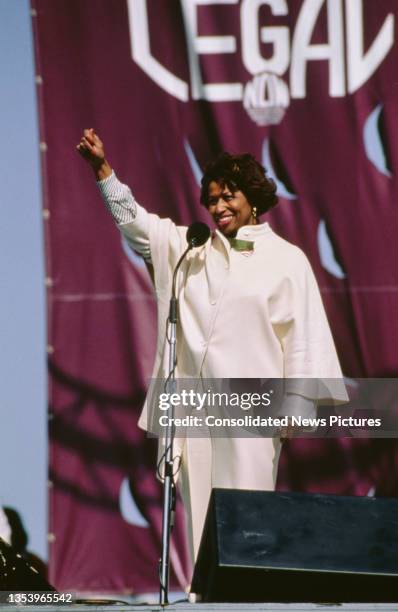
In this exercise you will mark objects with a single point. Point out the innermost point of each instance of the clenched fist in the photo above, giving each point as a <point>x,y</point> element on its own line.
<point>91,149</point>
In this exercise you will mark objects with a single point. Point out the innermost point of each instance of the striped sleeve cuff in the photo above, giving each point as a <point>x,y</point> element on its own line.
<point>118,199</point>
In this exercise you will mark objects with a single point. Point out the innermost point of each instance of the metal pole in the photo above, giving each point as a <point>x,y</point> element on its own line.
<point>197,235</point>
<point>168,485</point>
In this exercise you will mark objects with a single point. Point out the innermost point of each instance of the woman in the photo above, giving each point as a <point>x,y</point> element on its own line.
<point>249,307</point>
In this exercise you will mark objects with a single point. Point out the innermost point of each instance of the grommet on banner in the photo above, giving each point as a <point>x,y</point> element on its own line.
<point>48,281</point>
<point>43,147</point>
<point>49,349</point>
<point>50,484</point>
<point>51,537</point>
<point>33,12</point>
<point>39,79</point>
<point>46,213</point>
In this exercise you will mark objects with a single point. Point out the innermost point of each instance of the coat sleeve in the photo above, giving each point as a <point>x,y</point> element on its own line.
<point>158,241</point>
<point>311,364</point>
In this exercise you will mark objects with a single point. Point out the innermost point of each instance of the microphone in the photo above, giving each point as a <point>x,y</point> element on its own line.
<point>197,234</point>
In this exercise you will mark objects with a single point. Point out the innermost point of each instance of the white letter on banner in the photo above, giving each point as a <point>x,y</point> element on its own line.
<point>140,49</point>
<point>302,50</point>
<point>215,92</point>
<point>362,65</point>
<point>278,36</point>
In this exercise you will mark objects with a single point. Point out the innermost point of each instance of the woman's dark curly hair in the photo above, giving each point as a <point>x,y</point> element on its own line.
<point>241,173</point>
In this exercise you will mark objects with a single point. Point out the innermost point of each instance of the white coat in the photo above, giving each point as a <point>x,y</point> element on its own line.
<point>255,314</point>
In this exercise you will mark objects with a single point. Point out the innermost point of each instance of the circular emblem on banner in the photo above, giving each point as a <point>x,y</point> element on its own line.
<point>266,98</point>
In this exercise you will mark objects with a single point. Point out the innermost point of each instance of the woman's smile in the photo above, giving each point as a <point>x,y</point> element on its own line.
<point>224,220</point>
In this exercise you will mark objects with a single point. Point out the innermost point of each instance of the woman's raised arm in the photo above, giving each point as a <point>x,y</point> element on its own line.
<point>91,148</point>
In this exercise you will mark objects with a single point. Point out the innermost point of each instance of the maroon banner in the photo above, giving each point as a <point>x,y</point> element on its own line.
<point>308,87</point>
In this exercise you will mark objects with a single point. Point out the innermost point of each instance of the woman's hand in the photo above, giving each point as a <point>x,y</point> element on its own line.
<point>91,149</point>
<point>287,433</point>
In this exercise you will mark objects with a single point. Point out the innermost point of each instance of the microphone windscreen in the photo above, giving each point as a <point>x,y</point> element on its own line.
<point>197,234</point>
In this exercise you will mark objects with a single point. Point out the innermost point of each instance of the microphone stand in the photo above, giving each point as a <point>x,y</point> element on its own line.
<point>169,489</point>
<point>197,234</point>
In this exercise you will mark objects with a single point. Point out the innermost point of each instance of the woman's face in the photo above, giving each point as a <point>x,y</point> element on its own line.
<point>229,210</point>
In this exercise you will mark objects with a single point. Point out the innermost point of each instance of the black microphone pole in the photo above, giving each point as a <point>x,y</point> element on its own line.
<point>197,234</point>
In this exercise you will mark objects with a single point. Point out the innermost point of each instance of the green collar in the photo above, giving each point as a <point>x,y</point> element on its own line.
<point>241,245</point>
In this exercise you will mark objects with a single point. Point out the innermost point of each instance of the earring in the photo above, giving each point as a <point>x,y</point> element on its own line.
<point>254,212</point>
